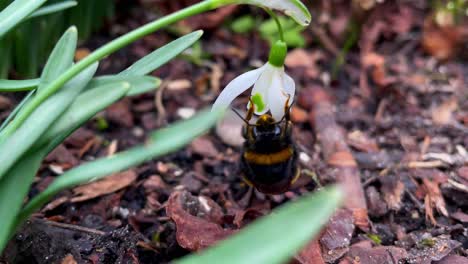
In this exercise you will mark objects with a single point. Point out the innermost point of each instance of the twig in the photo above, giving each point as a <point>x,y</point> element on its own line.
<point>73,227</point>
<point>158,102</point>
<point>337,154</point>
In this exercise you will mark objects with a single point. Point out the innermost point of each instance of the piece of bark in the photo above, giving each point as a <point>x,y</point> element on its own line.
<point>336,151</point>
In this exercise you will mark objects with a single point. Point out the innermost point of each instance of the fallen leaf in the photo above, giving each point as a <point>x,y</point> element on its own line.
<point>392,190</point>
<point>337,235</point>
<point>107,185</point>
<point>375,203</point>
<point>204,147</point>
<point>81,53</point>
<point>433,199</point>
<point>361,141</point>
<point>443,114</point>
<point>5,103</point>
<point>120,113</point>
<point>460,216</point>
<point>376,255</point>
<point>69,259</point>
<point>193,217</point>
<point>453,259</point>
<point>311,254</point>
<point>299,115</point>
<point>441,42</point>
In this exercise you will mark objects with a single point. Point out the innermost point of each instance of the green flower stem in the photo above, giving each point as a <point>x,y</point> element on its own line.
<point>103,52</point>
<point>278,23</point>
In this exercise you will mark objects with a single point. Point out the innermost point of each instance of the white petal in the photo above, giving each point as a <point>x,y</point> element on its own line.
<point>277,98</point>
<point>262,86</point>
<point>289,87</point>
<point>236,87</point>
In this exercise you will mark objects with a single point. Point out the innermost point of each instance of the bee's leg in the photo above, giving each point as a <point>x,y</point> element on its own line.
<point>286,109</point>
<point>314,176</point>
<point>250,112</point>
<point>287,117</point>
<point>297,175</point>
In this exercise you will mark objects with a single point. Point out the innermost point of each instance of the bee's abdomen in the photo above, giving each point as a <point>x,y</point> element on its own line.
<point>283,155</point>
<point>270,173</point>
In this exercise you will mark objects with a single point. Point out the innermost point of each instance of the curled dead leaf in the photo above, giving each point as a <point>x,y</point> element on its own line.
<point>196,221</point>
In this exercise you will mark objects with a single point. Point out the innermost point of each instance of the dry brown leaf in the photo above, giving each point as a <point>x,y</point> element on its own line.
<point>311,254</point>
<point>194,217</point>
<point>433,199</point>
<point>304,59</point>
<point>107,185</point>
<point>440,42</point>
<point>81,53</point>
<point>69,259</point>
<point>443,114</point>
<point>392,193</point>
<point>337,235</point>
<point>361,141</point>
<point>204,147</point>
<point>299,115</point>
<point>5,103</point>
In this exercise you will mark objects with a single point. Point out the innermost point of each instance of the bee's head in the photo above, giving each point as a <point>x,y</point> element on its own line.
<point>266,128</point>
<point>265,121</point>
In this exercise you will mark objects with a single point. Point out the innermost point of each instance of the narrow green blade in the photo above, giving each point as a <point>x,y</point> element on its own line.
<point>60,59</point>
<point>13,189</point>
<point>18,85</point>
<point>16,12</point>
<point>162,55</point>
<point>53,8</point>
<point>277,237</point>
<point>139,83</point>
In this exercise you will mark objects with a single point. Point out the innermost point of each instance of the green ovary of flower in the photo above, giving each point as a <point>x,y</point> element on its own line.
<point>257,100</point>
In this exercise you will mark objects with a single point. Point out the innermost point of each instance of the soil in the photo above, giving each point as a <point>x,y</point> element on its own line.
<point>390,123</point>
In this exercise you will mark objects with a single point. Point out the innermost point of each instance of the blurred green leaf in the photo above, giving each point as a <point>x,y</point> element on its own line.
<point>243,24</point>
<point>60,59</point>
<point>16,12</point>
<point>13,189</point>
<point>160,143</point>
<point>292,36</point>
<point>277,237</point>
<point>18,85</point>
<point>162,55</point>
<point>13,147</point>
<point>139,83</point>
<point>53,8</point>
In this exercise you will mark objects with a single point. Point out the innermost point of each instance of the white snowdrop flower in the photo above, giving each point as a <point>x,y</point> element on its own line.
<point>271,86</point>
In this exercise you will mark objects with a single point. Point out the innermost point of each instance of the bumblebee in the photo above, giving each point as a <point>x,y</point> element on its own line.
<point>269,155</point>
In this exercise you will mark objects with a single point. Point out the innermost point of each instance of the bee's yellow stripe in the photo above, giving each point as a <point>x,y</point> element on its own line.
<point>269,159</point>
